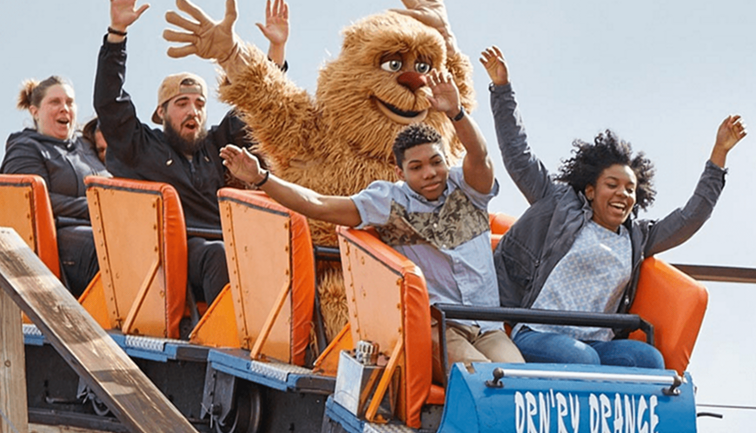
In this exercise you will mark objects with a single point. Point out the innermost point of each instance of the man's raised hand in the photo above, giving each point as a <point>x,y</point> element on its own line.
<point>203,36</point>
<point>276,28</point>
<point>123,13</point>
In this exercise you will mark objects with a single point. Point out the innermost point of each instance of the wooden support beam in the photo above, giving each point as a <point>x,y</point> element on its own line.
<point>724,274</point>
<point>14,417</point>
<point>85,346</point>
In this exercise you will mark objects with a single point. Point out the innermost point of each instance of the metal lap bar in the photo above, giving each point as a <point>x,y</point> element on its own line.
<point>549,317</point>
<point>327,254</point>
<point>591,377</point>
<point>211,234</point>
<point>438,314</point>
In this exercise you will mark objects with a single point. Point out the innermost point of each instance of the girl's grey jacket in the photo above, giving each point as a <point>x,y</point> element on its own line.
<point>546,231</point>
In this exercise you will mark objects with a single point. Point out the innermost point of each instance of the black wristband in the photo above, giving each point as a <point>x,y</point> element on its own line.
<point>265,179</point>
<point>116,32</point>
<point>459,115</point>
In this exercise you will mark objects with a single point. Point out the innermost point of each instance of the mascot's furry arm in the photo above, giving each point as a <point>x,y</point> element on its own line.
<point>281,113</point>
<point>274,107</point>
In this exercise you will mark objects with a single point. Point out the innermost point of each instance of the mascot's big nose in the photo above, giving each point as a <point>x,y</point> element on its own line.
<point>412,80</point>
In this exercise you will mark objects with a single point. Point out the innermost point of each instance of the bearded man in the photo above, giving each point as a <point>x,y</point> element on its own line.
<point>184,153</point>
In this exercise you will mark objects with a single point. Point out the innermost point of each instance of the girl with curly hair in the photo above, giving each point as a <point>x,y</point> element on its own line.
<point>579,245</point>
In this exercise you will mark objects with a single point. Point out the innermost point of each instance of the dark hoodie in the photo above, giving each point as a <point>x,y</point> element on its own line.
<point>62,164</point>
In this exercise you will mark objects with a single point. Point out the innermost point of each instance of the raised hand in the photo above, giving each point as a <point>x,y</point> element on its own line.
<point>431,13</point>
<point>204,37</point>
<point>445,93</point>
<point>495,65</point>
<point>276,28</point>
<point>730,132</point>
<point>241,163</point>
<point>123,13</point>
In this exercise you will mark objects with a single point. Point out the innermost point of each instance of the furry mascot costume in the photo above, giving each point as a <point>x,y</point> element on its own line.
<point>340,141</point>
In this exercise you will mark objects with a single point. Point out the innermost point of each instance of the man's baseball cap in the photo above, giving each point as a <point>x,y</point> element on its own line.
<point>178,84</point>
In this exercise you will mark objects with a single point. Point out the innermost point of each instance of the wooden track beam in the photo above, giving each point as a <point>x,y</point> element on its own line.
<point>13,411</point>
<point>85,346</point>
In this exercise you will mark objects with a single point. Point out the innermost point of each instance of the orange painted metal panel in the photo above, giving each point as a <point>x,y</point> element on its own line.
<point>269,250</point>
<point>217,327</point>
<point>130,243</point>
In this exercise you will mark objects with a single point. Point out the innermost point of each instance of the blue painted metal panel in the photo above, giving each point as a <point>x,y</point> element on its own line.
<point>337,413</point>
<point>33,336</point>
<point>576,398</point>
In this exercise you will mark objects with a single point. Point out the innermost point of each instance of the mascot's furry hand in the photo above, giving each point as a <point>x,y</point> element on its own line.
<point>433,14</point>
<point>206,38</point>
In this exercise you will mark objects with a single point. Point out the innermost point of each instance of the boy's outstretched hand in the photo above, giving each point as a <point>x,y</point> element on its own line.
<point>241,163</point>
<point>495,65</point>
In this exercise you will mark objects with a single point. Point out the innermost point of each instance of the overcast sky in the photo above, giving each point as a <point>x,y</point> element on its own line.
<point>662,74</point>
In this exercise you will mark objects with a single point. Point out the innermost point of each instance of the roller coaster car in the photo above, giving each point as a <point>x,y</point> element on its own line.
<point>249,354</point>
<point>388,307</point>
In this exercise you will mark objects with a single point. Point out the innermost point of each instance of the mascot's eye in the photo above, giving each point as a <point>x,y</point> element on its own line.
<point>422,67</point>
<point>391,65</point>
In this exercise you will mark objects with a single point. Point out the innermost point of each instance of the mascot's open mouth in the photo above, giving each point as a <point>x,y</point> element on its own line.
<point>400,116</point>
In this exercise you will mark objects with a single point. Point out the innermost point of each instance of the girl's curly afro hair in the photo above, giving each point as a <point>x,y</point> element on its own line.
<point>589,160</point>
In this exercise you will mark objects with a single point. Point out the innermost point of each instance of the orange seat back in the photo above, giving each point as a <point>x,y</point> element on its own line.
<point>26,208</point>
<point>140,236</point>
<point>272,273</point>
<point>388,302</point>
<point>500,224</point>
<point>675,304</point>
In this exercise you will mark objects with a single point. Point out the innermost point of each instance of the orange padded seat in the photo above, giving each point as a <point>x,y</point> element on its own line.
<point>500,223</point>
<point>675,304</point>
<point>140,237</point>
<point>26,208</point>
<point>397,316</point>
<point>272,273</point>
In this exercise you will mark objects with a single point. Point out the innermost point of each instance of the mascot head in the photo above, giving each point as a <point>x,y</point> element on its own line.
<point>377,85</point>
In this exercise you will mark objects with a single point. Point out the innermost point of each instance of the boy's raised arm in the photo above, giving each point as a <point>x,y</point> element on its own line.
<point>477,165</point>
<point>328,208</point>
